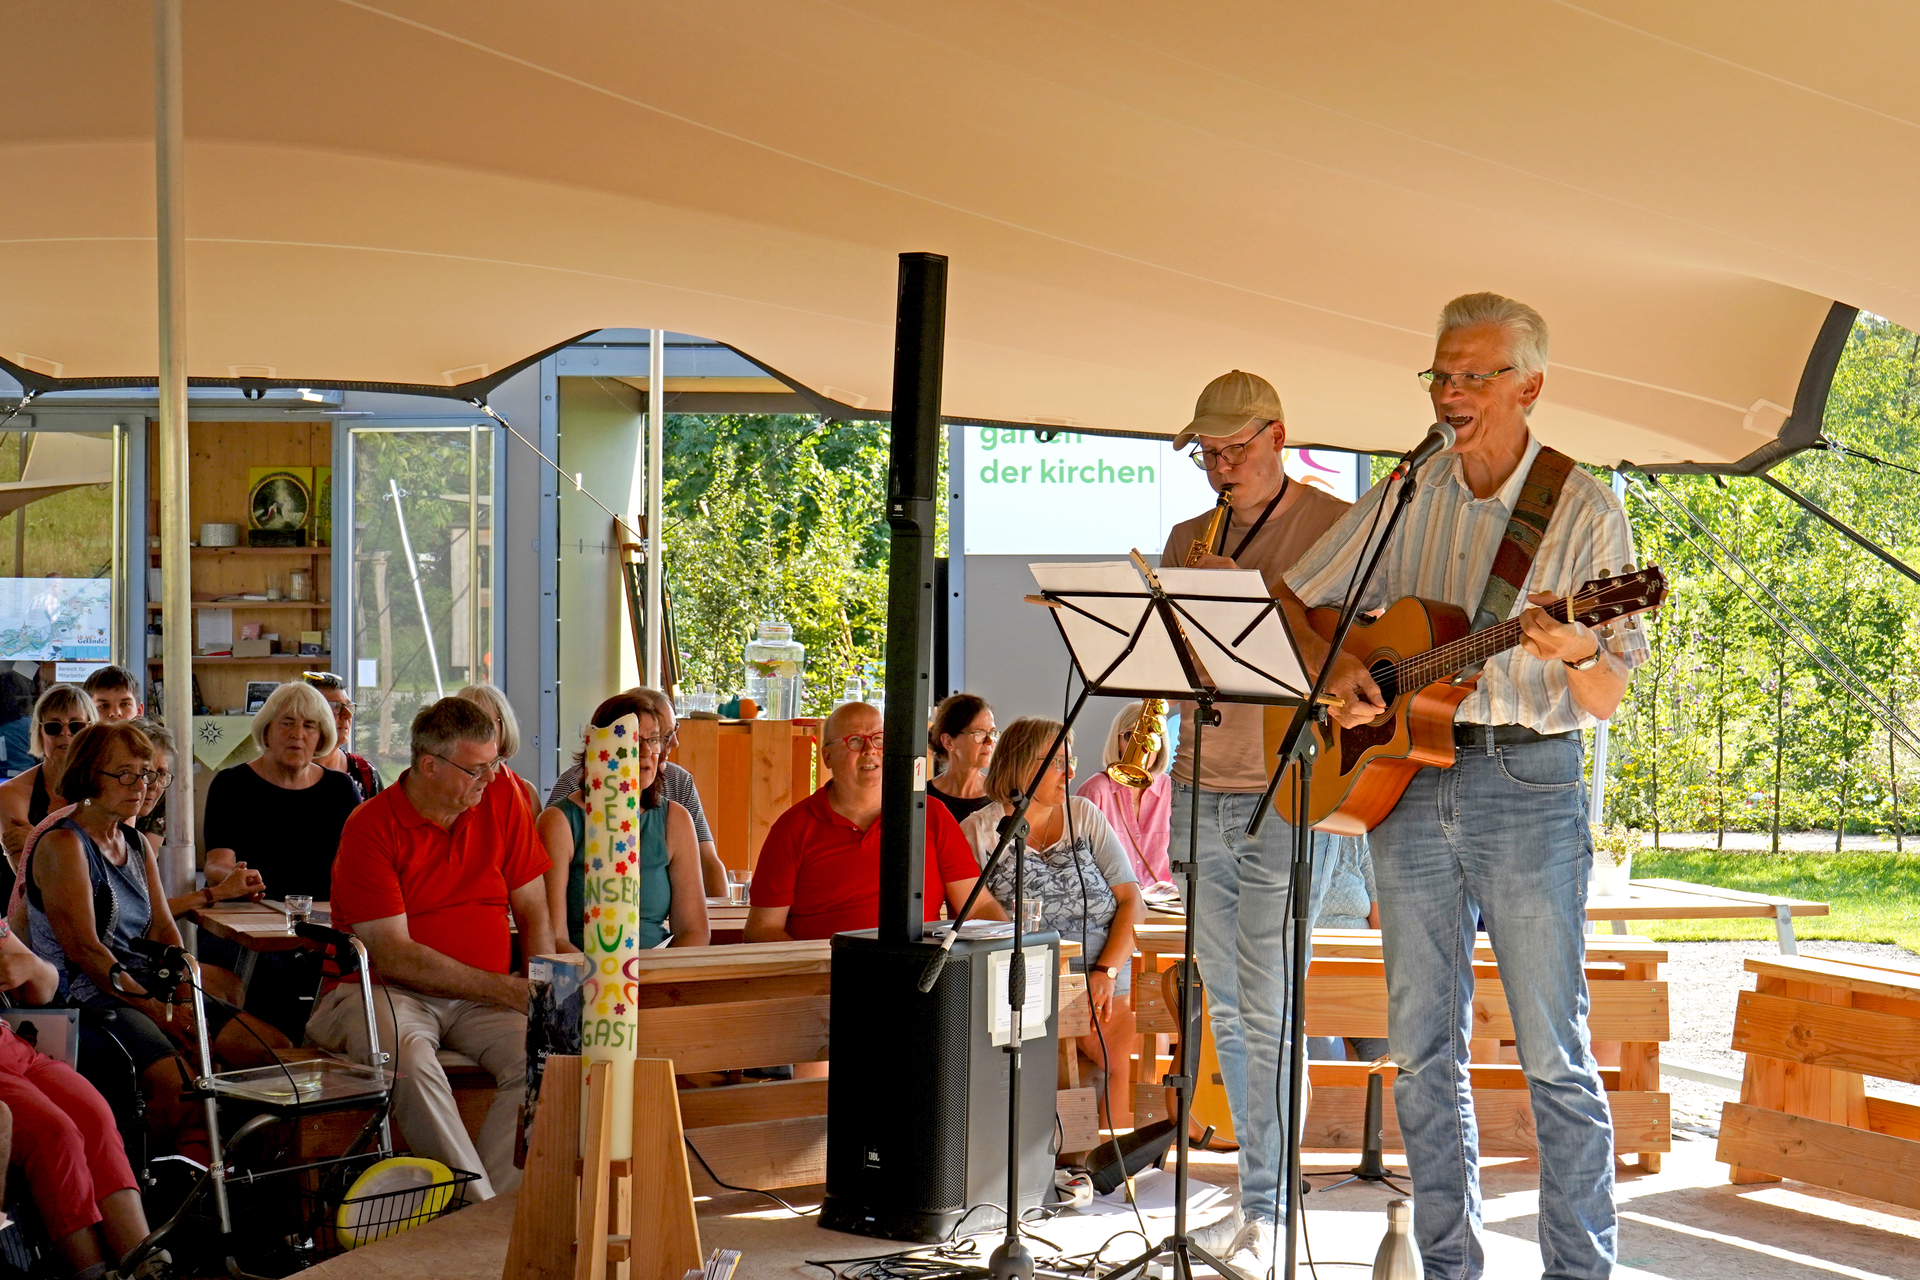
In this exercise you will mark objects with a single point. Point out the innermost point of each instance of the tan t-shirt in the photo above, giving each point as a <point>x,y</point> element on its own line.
<point>1235,754</point>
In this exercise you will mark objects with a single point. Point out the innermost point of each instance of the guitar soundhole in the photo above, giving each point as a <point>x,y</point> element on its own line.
<point>1355,741</point>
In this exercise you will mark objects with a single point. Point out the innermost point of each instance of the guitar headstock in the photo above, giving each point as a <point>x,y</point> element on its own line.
<point>1621,595</point>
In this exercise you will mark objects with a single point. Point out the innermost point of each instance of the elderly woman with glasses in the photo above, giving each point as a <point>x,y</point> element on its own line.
<point>92,891</point>
<point>673,902</point>
<point>1078,873</point>
<point>962,737</point>
<point>333,689</point>
<point>281,812</point>
<point>26,799</point>
<point>492,699</point>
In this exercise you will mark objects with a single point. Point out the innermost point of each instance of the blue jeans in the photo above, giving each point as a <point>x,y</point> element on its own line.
<point>1244,942</point>
<point>1502,836</point>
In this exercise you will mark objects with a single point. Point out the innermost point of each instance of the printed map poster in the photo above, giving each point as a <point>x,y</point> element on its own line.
<point>56,619</point>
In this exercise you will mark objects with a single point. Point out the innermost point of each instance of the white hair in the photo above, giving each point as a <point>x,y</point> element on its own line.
<point>1526,329</point>
<point>303,700</point>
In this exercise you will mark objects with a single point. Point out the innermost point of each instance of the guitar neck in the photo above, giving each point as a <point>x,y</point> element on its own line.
<point>1440,662</point>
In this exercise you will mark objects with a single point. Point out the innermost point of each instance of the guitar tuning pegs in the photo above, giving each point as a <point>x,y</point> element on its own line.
<point>1627,568</point>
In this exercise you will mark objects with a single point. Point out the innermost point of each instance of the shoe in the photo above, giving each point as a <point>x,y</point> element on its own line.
<point>1219,1236</point>
<point>1252,1254</point>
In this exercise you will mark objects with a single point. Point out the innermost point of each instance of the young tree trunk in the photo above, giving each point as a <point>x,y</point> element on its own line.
<point>1779,732</point>
<point>1720,759</point>
<point>1893,763</point>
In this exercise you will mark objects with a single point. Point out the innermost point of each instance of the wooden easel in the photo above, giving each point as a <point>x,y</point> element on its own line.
<point>576,1216</point>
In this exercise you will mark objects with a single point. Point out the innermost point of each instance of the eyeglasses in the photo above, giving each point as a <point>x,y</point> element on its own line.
<point>1230,454</point>
<point>860,743</point>
<point>659,745</point>
<point>58,728</point>
<point>1464,381</point>
<point>341,709</point>
<point>1069,764</point>
<point>483,771</point>
<point>134,777</point>
<point>981,736</point>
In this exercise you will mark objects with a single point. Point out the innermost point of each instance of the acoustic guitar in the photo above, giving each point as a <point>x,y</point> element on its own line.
<point>1414,651</point>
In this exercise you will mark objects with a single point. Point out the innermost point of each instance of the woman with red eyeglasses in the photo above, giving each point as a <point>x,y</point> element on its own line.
<point>26,799</point>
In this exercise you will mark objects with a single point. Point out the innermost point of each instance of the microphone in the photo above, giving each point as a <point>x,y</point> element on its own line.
<point>1440,438</point>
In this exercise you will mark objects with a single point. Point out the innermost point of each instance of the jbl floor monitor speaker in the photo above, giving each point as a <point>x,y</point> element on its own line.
<point>917,1090</point>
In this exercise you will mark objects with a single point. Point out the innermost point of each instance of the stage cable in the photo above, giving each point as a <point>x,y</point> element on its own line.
<point>754,1191</point>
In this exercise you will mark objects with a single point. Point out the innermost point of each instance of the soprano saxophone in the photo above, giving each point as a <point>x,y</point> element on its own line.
<point>1210,539</point>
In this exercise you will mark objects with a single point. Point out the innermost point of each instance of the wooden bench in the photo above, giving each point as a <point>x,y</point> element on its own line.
<point>1347,996</point>
<point>1812,1031</point>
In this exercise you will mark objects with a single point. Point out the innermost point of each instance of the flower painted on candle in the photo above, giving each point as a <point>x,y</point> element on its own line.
<point>619,1010</point>
<point>598,864</point>
<point>619,730</point>
<point>604,757</point>
<point>619,868</point>
<point>625,786</point>
<point>626,824</point>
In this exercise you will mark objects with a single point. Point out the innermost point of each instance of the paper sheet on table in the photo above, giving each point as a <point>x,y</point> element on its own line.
<point>216,628</point>
<point>1153,1191</point>
<point>1152,664</point>
<point>1265,662</point>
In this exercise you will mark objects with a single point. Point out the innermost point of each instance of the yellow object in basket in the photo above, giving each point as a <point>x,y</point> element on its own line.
<point>392,1196</point>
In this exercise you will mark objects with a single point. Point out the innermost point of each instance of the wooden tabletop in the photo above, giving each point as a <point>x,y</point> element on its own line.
<point>1679,900</point>
<point>253,925</point>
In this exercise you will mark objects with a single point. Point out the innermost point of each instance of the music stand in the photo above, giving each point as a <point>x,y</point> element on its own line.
<point>1205,635</point>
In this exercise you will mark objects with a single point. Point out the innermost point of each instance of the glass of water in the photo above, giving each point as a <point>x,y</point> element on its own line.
<point>299,909</point>
<point>736,889</point>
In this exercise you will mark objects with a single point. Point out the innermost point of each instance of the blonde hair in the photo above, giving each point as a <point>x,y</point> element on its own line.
<point>305,701</point>
<point>1022,744</point>
<point>58,698</point>
<point>490,699</point>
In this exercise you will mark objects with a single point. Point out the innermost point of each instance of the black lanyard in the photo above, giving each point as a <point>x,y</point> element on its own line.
<point>1266,511</point>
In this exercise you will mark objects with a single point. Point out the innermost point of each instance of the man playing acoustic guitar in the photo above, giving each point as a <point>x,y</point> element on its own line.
<point>1500,837</point>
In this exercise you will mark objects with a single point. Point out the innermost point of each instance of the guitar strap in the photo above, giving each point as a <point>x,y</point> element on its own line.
<point>1539,495</point>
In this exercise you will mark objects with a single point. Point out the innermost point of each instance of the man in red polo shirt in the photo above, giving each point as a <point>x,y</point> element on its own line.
<point>819,871</point>
<point>426,874</point>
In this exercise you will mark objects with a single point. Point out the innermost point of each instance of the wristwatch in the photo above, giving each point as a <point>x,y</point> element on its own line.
<point>1589,662</point>
<point>1111,970</point>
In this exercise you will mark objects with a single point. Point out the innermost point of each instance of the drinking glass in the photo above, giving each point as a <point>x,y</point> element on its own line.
<point>736,889</point>
<point>1031,917</point>
<point>299,909</point>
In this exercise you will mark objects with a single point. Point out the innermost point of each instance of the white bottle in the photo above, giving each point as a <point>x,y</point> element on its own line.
<point>1399,1256</point>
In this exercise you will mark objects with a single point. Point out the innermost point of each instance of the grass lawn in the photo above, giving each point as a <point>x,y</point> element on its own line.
<point>1875,896</point>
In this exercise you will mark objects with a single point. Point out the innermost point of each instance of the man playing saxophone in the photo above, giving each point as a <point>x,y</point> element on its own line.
<point>1241,918</point>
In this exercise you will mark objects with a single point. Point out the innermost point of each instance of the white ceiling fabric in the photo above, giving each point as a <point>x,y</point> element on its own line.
<point>1135,197</point>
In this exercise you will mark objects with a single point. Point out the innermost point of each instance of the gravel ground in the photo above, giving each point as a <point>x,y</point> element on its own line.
<point>1704,980</point>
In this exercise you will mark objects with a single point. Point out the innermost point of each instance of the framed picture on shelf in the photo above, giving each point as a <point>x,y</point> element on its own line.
<point>258,691</point>
<point>279,498</point>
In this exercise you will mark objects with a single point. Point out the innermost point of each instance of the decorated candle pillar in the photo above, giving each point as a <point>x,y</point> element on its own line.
<point>610,932</point>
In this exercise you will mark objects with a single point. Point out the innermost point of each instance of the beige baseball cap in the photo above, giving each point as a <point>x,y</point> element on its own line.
<point>1231,403</point>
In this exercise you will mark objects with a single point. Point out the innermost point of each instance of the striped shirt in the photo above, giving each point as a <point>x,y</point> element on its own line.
<point>1444,549</point>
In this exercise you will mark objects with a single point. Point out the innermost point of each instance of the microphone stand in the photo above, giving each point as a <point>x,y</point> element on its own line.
<point>1299,748</point>
<point>1013,1260</point>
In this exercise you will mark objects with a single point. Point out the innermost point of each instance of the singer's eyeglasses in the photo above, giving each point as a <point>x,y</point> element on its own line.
<point>859,744</point>
<point>1464,381</point>
<point>983,737</point>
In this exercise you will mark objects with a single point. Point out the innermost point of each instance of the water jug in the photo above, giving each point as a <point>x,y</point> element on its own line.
<point>775,671</point>
<point>1399,1256</point>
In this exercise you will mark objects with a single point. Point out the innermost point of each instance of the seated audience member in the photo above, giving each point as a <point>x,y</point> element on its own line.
<point>332,687</point>
<point>492,700</point>
<point>676,784</point>
<point>26,798</point>
<point>819,870</point>
<point>1077,871</point>
<point>17,693</point>
<point>428,870</point>
<point>1141,815</point>
<point>64,1137</point>
<point>90,895</point>
<point>673,904</point>
<point>281,812</point>
<point>115,694</point>
<point>962,736</point>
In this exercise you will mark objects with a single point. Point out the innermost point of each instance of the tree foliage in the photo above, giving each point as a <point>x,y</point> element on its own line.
<point>779,518</point>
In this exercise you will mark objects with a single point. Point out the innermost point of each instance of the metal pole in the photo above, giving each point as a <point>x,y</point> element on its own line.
<point>1597,792</point>
<point>176,571</point>
<point>656,485</point>
<point>419,597</point>
<point>919,346</point>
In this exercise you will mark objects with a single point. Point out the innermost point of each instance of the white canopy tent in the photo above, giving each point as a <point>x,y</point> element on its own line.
<point>428,194</point>
<point>1134,198</point>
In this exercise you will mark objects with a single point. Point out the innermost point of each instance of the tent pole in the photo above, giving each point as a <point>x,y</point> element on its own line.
<point>176,570</point>
<point>656,544</point>
<point>1597,791</point>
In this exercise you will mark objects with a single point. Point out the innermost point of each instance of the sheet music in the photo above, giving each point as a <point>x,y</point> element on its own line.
<point>1153,664</point>
<point>1214,628</point>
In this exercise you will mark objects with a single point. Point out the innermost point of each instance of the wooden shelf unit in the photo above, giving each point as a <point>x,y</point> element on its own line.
<point>222,453</point>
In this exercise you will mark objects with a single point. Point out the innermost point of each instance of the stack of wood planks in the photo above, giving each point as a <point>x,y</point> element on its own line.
<point>1812,1031</point>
